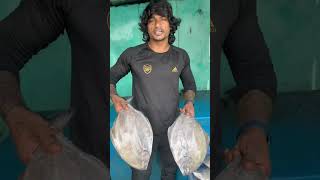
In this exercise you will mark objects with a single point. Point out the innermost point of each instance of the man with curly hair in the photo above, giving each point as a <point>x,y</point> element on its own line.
<point>156,67</point>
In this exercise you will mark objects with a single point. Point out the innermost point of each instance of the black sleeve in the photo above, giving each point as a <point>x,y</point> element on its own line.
<point>28,29</point>
<point>186,75</point>
<point>248,54</point>
<point>120,69</point>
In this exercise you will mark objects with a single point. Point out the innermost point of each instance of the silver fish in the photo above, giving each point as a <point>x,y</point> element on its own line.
<point>132,138</point>
<point>71,163</point>
<point>202,173</point>
<point>236,172</point>
<point>188,143</point>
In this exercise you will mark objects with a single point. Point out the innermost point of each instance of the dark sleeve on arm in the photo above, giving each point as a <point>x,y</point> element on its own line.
<point>120,69</point>
<point>248,54</point>
<point>186,75</point>
<point>28,29</point>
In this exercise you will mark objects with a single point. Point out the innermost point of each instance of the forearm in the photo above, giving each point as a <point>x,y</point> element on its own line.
<point>113,90</point>
<point>189,96</point>
<point>10,95</point>
<point>255,106</point>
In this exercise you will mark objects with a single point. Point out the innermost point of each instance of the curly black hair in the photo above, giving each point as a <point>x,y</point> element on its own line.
<point>161,8</point>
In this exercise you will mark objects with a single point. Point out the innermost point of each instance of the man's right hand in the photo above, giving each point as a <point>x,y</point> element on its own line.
<point>30,131</point>
<point>119,103</point>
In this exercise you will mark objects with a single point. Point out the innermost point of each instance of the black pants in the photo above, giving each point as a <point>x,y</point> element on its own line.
<point>168,165</point>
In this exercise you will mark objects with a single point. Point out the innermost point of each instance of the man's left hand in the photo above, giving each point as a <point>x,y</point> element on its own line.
<point>188,109</point>
<point>253,149</point>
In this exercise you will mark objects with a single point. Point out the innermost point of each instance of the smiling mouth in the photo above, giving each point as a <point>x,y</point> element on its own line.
<point>158,32</point>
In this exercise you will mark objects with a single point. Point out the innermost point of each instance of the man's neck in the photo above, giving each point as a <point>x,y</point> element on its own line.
<point>159,47</point>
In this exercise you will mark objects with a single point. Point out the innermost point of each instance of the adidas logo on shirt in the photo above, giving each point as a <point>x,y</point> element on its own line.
<point>174,69</point>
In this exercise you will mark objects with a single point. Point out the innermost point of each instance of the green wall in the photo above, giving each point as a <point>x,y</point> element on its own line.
<point>292,32</point>
<point>193,35</point>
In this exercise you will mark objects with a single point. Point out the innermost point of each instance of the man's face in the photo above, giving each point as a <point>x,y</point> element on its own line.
<point>158,28</point>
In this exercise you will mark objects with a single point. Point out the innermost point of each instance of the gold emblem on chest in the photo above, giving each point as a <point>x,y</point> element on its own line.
<point>147,68</point>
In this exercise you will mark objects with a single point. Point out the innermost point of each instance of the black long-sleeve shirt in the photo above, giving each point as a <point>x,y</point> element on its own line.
<point>236,32</point>
<point>36,23</point>
<point>155,78</point>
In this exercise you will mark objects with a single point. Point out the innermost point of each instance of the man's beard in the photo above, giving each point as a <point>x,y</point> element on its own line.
<point>161,37</point>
